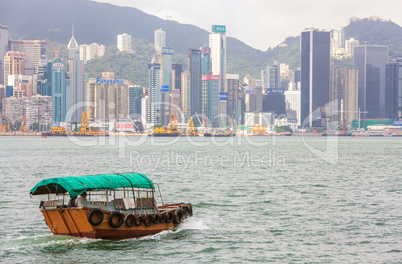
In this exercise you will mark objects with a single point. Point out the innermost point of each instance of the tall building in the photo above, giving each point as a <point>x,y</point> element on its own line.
<point>3,49</point>
<point>315,73</point>
<point>271,77</point>
<point>393,86</point>
<point>165,81</point>
<point>124,42</point>
<point>160,40</point>
<point>175,96</point>
<point>109,98</point>
<point>232,85</point>
<point>371,61</point>
<point>210,96</point>
<point>350,93</point>
<point>57,87</point>
<point>217,44</point>
<point>292,99</point>
<point>77,93</point>
<point>350,46</point>
<point>186,94</point>
<point>135,96</point>
<point>22,85</point>
<point>91,51</point>
<point>337,40</point>
<point>154,92</point>
<point>35,51</point>
<point>194,67</point>
<point>205,61</point>
<point>13,64</point>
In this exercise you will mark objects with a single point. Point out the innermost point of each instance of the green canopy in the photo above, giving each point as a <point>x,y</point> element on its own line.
<point>79,184</point>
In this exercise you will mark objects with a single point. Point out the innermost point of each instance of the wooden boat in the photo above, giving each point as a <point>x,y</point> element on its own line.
<point>119,206</point>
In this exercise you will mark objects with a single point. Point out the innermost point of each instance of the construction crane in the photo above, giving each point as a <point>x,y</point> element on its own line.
<point>7,126</point>
<point>85,128</point>
<point>133,123</point>
<point>190,128</point>
<point>172,126</point>
<point>56,52</point>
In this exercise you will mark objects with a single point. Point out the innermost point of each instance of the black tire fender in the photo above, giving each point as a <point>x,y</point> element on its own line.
<point>178,215</point>
<point>138,221</point>
<point>157,218</point>
<point>130,220</point>
<point>93,212</point>
<point>169,217</point>
<point>148,220</point>
<point>119,223</point>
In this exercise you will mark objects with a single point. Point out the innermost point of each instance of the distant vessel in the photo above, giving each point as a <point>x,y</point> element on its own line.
<point>56,131</point>
<point>119,206</point>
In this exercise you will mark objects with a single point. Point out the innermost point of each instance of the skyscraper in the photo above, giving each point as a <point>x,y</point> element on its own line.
<point>315,72</point>
<point>124,42</point>
<point>271,77</point>
<point>217,43</point>
<point>77,92</point>
<point>3,49</point>
<point>13,64</point>
<point>160,40</point>
<point>350,93</point>
<point>35,51</point>
<point>153,92</point>
<point>210,103</point>
<point>194,67</point>
<point>232,85</point>
<point>57,86</point>
<point>393,86</point>
<point>371,61</point>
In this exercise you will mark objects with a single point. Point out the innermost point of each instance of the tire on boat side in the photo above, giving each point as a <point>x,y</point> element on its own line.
<point>157,218</point>
<point>162,218</point>
<point>130,220</point>
<point>138,220</point>
<point>178,215</point>
<point>169,217</point>
<point>148,220</point>
<point>119,223</point>
<point>93,212</point>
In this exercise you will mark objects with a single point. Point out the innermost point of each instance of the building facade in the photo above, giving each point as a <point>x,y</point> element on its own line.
<point>124,42</point>
<point>3,49</point>
<point>35,51</point>
<point>371,61</point>
<point>91,51</point>
<point>210,98</point>
<point>315,73</point>
<point>13,64</point>
<point>194,67</point>
<point>217,44</point>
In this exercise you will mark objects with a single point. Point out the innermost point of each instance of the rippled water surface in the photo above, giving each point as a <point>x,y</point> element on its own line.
<point>270,200</point>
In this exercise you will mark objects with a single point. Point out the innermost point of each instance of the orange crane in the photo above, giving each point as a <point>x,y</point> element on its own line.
<point>22,127</point>
<point>190,127</point>
<point>56,52</point>
<point>84,128</point>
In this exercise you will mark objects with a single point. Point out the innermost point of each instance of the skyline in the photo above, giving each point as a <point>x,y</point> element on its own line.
<point>276,22</point>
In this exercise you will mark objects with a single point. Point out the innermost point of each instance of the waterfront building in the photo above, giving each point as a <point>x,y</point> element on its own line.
<point>186,94</point>
<point>76,95</point>
<point>3,49</point>
<point>292,99</point>
<point>232,85</point>
<point>36,109</point>
<point>315,74</point>
<point>35,51</point>
<point>165,81</point>
<point>337,41</point>
<point>350,93</point>
<point>13,64</point>
<point>371,60</point>
<point>194,67</point>
<point>135,96</point>
<point>217,44</point>
<point>109,98</point>
<point>210,96</point>
<point>154,92</point>
<point>56,82</point>
<point>124,42</point>
<point>144,111</point>
<point>205,60</point>
<point>271,77</point>
<point>393,86</point>
<point>91,51</point>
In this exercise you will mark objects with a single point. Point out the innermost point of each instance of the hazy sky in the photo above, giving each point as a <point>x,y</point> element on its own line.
<point>266,23</point>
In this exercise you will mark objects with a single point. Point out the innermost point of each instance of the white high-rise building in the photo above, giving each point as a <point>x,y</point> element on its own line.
<point>3,49</point>
<point>91,51</point>
<point>292,99</point>
<point>160,40</point>
<point>217,44</point>
<point>124,42</point>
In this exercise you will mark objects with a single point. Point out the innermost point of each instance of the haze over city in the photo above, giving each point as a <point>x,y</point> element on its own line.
<point>263,24</point>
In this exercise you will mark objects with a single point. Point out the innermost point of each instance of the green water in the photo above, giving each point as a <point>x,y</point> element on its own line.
<point>268,200</point>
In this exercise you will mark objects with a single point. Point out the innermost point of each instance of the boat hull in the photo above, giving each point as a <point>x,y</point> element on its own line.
<point>74,222</point>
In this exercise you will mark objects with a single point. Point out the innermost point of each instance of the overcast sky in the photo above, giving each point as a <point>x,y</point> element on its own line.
<point>266,23</point>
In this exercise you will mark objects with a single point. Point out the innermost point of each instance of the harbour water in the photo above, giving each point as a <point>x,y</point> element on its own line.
<point>266,200</point>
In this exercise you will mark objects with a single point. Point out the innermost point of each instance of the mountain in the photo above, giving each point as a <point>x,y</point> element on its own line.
<point>101,23</point>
